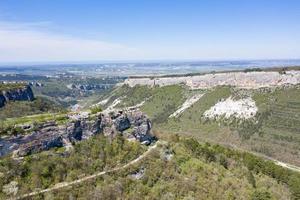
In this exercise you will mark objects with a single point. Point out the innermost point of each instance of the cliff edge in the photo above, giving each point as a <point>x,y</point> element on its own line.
<point>15,92</point>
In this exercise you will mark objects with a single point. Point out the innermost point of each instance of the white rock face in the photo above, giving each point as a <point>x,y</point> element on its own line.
<point>111,107</point>
<point>103,102</point>
<point>238,79</point>
<point>242,108</point>
<point>79,115</point>
<point>135,106</point>
<point>188,103</point>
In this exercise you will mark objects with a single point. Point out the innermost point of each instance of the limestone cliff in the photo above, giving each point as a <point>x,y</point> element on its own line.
<point>131,125</point>
<point>22,93</point>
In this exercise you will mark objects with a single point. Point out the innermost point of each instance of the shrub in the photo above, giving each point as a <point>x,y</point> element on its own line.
<point>96,109</point>
<point>260,195</point>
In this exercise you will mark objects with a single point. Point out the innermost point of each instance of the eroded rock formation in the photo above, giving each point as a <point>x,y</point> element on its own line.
<point>132,125</point>
<point>20,94</point>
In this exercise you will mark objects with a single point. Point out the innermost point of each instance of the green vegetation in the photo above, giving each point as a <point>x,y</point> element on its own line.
<point>95,109</point>
<point>181,168</point>
<point>193,171</point>
<point>11,126</point>
<point>53,89</point>
<point>11,86</point>
<point>163,102</point>
<point>191,120</point>
<point>130,96</point>
<point>252,162</point>
<point>24,108</point>
<point>51,167</point>
<point>160,102</point>
<point>282,107</point>
<point>86,90</point>
<point>280,124</point>
<point>273,132</point>
<point>135,95</point>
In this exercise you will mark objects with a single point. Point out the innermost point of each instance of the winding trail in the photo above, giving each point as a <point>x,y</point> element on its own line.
<point>235,147</point>
<point>277,162</point>
<point>66,184</point>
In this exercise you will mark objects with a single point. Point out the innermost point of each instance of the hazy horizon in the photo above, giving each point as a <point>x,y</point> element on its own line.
<point>67,31</point>
<point>99,62</point>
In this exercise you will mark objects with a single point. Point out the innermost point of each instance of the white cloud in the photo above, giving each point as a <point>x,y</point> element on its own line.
<point>34,41</point>
<point>28,42</point>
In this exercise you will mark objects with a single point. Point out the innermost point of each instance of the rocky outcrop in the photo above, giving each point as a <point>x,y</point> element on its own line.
<point>122,123</point>
<point>249,80</point>
<point>74,131</point>
<point>142,127</point>
<point>2,100</point>
<point>132,125</point>
<point>23,93</point>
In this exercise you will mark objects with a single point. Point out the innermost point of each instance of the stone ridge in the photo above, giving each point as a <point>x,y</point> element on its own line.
<point>132,125</point>
<point>23,93</point>
<point>238,79</point>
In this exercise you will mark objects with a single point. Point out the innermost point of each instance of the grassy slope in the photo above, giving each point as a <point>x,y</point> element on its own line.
<point>280,138</point>
<point>24,108</point>
<point>129,96</point>
<point>282,127</point>
<point>53,89</point>
<point>164,102</point>
<point>160,102</point>
<point>187,175</point>
<point>190,120</point>
<point>135,95</point>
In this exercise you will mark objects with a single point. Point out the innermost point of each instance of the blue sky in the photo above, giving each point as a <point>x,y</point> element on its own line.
<point>95,30</point>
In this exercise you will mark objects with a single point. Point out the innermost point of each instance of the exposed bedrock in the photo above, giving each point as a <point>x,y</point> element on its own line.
<point>21,94</point>
<point>238,79</point>
<point>133,125</point>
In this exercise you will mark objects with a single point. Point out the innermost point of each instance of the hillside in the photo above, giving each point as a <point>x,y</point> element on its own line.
<point>183,168</point>
<point>220,142</point>
<point>271,128</point>
<point>24,108</point>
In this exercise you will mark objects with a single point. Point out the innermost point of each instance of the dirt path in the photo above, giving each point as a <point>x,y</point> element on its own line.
<point>66,184</point>
<point>232,146</point>
<point>277,162</point>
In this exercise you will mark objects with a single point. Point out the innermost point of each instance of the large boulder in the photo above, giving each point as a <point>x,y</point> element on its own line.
<point>97,127</point>
<point>122,123</point>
